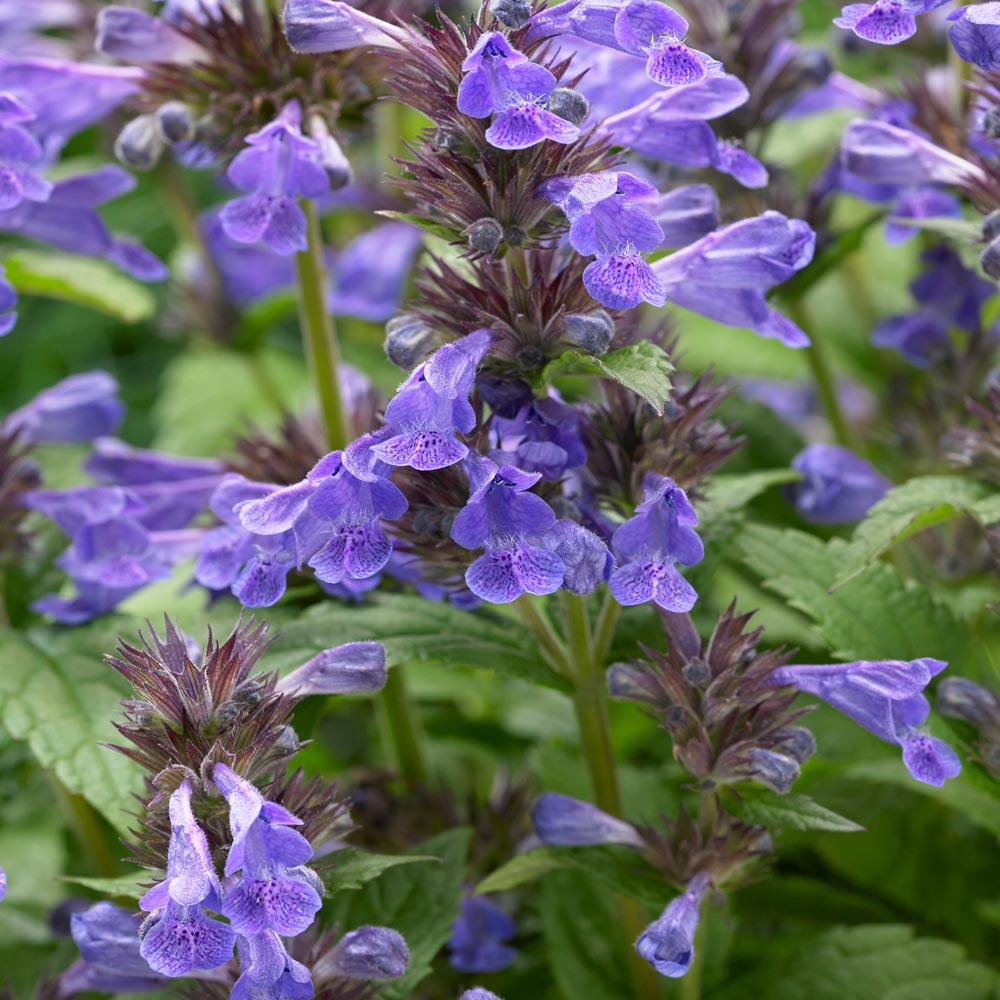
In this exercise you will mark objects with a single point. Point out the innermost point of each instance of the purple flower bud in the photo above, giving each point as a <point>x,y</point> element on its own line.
<point>3,884</point>
<point>921,338</point>
<point>878,152</point>
<point>325,26</point>
<point>372,953</point>
<point>838,487</point>
<point>408,341</point>
<point>512,13</point>
<point>570,104</point>
<point>79,408</point>
<point>175,122</point>
<point>140,143</point>
<point>478,993</point>
<point>798,742</point>
<point>959,698</point>
<point>975,34</point>
<point>8,304</point>
<point>590,332</point>
<point>886,698</point>
<point>484,235</point>
<point>354,668</point>
<point>668,943</point>
<point>567,822</point>
<point>776,771</point>
<point>135,36</point>
<point>478,937</point>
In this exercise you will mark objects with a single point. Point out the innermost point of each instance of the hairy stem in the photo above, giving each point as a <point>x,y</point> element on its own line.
<point>545,635</point>
<point>399,721</point>
<point>318,333</point>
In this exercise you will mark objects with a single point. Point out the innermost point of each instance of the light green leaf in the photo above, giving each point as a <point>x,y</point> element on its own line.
<point>415,630</point>
<point>642,367</point>
<point>913,507</point>
<point>419,901</point>
<point>442,232</point>
<point>962,230</point>
<point>871,962</point>
<point>353,868</point>
<point>729,494</point>
<point>82,281</point>
<point>876,615</point>
<point>56,693</point>
<point>520,869</point>
<point>788,812</point>
<point>211,394</point>
<point>130,886</point>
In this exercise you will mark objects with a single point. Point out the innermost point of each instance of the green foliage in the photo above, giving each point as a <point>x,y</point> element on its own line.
<point>353,869</point>
<point>787,812</point>
<point>56,693</point>
<point>83,281</point>
<point>642,367</point>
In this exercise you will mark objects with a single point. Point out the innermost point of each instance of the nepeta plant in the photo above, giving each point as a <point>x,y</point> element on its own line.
<point>634,267</point>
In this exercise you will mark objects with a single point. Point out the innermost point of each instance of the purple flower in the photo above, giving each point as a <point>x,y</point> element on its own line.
<point>668,943</point>
<point>543,436</point>
<point>567,822</point>
<point>921,337</point>
<point>20,157</point>
<point>79,408</point>
<point>372,953</point>
<point>948,288</point>
<point>69,220</point>
<point>975,34</point>
<point>837,487</point>
<point>479,935</point>
<point>724,275</point>
<point>432,406</point>
<point>3,884</point>
<point>354,668</point>
<point>648,545</point>
<point>180,936</point>
<point>885,22</point>
<point>886,698</point>
<point>280,166</point>
<point>606,223</point>
<point>135,36</point>
<point>8,304</point>
<point>503,82</point>
<point>370,272</point>
<point>506,520</point>
<point>327,26</point>
<point>108,939</point>
<point>882,153</point>
<point>115,463</point>
<point>640,27</point>
<point>268,971</point>
<point>918,203</point>
<point>686,214</point>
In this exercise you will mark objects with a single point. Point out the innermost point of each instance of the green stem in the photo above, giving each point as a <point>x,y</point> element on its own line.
<point>604,630</point>
<point>546,636</point>
<point>590,702</point>
<point>822,375</point>
<point>318,332</point>
<point>400,724</point>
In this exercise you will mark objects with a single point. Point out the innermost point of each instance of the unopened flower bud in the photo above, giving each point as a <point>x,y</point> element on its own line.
<point>408,340</point>
<point>568,104</point>
<point>773,770</point>
<point>592,332</point>
<point>563,821</point>
<point>675,715</point>
<point>959,698</point>
<point>515,236</point>
<point>991,226</point>
<point>354,668</point>
<point>373,953</point>
<point>696,672</point>
<point>530,356</point>
<point>513,13</point>
<point>989,260</point>
<point>484,235</point>
<point>798,742</point>
<point>814,65</point>
<point>139,144</point>
<point>175,122</point>
<point>332,156</point>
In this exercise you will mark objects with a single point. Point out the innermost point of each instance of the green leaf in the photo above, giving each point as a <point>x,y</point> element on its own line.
<point>415,630</point>
<point>211,394</point>
<point>32,851</point>
<point>130,886</point>
<point>729,494</point>
<point>962,230</point>
<point>82,281</point>
<point>419,901</point>
<point>353,868</point>
<point>913,507</point>
<point>642,367</point>
<point>56,693</point>
<point>522,868</point>
<point>442,232</point>
<point>584,944</point>
<point>876,615</point>
<point>871,962</point>
<point>788,812</point>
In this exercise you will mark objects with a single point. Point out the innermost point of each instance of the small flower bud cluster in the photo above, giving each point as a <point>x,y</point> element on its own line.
<point>959,698</point>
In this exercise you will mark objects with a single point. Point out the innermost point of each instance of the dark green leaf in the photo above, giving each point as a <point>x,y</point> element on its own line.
<point>787,812</point>
<point>353,868</point>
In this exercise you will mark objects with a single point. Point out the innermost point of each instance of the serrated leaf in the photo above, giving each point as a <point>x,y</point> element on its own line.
<point>353,868</point>
<point>416,630</point>
<point>56,693</point>
<point>913,507</point>
<point>729,494</point>
<point>788,812</point>
<point>871,962</point>
<point>83,281</point>
<point>876,615</point>
<point>642,367</point>
<point>419,901</point>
